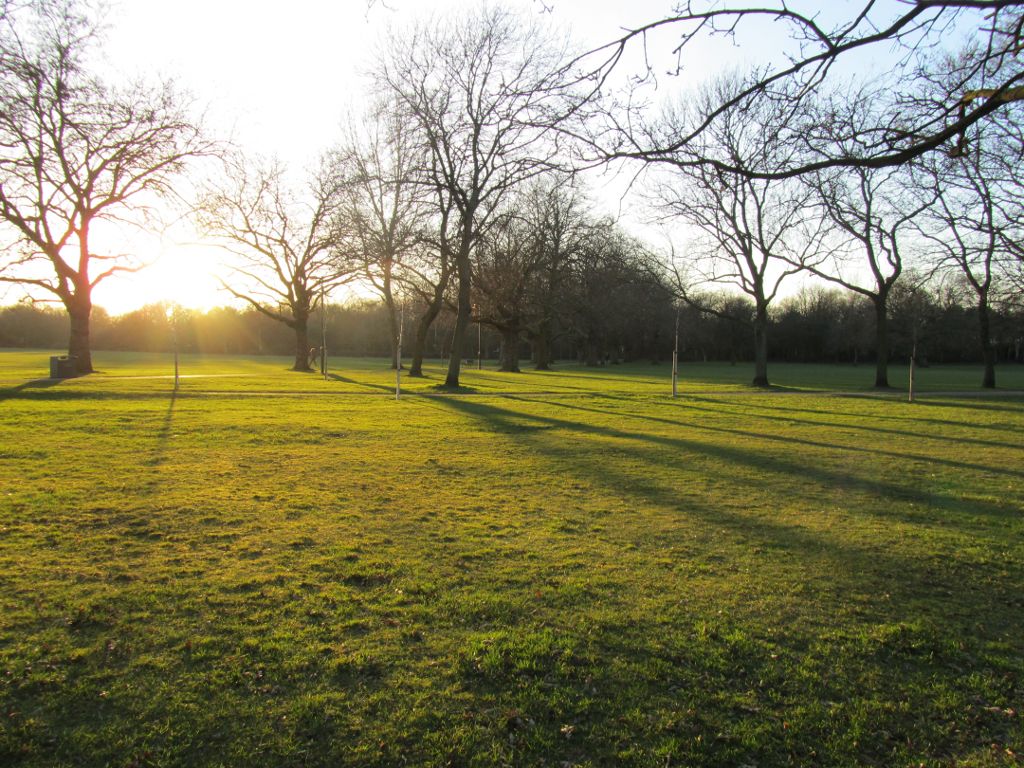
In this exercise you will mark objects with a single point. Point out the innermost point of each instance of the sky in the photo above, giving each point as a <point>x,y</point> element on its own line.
<point>279,79</point>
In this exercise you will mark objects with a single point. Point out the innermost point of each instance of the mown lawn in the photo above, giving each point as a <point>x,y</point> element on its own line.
<point>551,569</point>
<point>132,372</point>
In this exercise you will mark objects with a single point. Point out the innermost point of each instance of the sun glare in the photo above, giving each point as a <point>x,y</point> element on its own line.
<point>182,274</point>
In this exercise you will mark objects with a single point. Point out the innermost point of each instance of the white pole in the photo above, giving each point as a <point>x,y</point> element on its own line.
<point>398,362</point>
<point>675,361</point>
<point>913,356</point>
<point>174,333</point>
<point>323,334</point>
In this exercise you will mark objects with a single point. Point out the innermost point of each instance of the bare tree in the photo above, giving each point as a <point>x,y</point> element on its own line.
<point>508,260</point>
<point>427,273</point>
<point>557,214</point>
<point>754,232</point>
<point>825,43</point>
<point>482,91</point>
<point>870,209</point>
<point>383,208</point>
<point>1005,161</point>
<point>76,155</point>
<point>524,263</point>
<point>974,228</point>
<point>613,277</point>
<point>964,229</point>
<point>284,241</point>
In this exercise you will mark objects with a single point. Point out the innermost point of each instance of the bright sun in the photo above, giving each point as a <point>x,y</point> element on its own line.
<point>182,274</point>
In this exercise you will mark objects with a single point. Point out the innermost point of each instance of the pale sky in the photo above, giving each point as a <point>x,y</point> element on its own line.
<point>283,74</point>
<point>279,78</point>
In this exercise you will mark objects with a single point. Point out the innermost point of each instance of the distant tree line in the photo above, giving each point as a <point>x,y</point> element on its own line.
<point>817,325</point>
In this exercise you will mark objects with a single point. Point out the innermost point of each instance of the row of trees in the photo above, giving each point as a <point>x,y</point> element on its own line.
<point>816,325</point>
<point>456,192</point>
<point>798,167</point>
<point>860,228</point>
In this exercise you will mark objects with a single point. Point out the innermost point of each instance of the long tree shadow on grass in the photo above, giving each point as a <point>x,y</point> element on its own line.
<point>528,377</point>
<point>975,405</point>
<point>964,511</point>
<point>28,387</point>
<point>774,464</point>
<point>848,561</point>
<point>784,439</point>
<point>916,417</point>
<point>896,650</point>
<point>775,411</point>
<point>162,436</point>
<point>346,380</point>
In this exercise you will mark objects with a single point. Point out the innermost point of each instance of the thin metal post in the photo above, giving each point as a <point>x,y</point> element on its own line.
<point>913,360</point>
<point>174,337</point>
<point>398,361</point>
<point>675,361</point>
<point>323,335</point>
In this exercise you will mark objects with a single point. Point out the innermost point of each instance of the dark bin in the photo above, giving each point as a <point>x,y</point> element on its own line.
<point>63,367</point>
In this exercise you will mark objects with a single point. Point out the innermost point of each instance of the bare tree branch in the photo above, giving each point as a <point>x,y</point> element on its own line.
<point>75,152</point>
<point>284,241</point>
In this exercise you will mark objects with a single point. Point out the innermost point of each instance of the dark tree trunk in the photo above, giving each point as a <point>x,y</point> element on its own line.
<point>300,327</point>
<point>79,314</point>
<point>464,316</point>
<point>591,352</point>
<point>389,304</point>
<point>510,350</point>
<point>429,316</point>
<point>881,342</point>
<point>393,328</point>
<point>420,343</point>
<point>761,347</point>
<point>542,347</point>
<point>988,352</point>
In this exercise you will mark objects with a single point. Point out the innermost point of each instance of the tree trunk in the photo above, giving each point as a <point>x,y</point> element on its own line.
<point>988,353</point>
<point>420,343</point>
<point>393,328</point>
<point>542,347</point>
<point>427,320</point>
<point>761,347</point>
<point>509,350</point>
<point>881,342</point>
<point>591,352</point>
<point>301,345</point>
<point>79,313</point>
<point>464,316</point>
<point>389,304</point>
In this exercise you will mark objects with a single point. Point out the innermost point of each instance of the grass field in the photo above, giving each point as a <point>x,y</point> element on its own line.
<point>565,568</point>
<point>130,372</point>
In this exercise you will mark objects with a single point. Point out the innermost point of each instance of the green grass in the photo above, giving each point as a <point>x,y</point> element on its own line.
<point>135,372</point>
<point>557,569</point>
